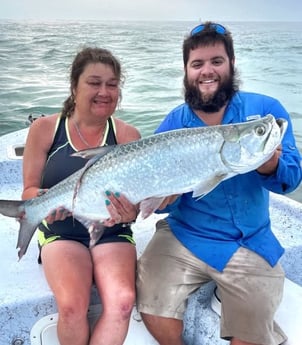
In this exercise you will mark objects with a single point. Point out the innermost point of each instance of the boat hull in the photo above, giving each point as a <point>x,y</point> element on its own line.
<point>25,297</point>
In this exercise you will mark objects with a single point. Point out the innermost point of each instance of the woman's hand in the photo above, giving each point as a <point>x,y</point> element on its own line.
<point>120,208</point>
<point>59,213</point>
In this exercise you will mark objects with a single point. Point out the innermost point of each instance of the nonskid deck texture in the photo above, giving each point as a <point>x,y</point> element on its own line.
<point>25,297</point>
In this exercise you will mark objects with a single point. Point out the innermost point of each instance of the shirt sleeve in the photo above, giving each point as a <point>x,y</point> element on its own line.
<point>166,125</point>
<point>288,175</point>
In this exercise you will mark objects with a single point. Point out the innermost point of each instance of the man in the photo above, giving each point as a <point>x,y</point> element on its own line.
<point>225,236</point>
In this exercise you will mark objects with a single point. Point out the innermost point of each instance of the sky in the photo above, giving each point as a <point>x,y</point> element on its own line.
<point>191,10</point>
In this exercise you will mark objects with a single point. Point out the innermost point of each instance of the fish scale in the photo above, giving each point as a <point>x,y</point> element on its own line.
<point>154,167</point>
<point>174,162</point>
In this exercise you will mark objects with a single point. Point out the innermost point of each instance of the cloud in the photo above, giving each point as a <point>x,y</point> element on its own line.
<point>219,10</point>
<point>100,10</point>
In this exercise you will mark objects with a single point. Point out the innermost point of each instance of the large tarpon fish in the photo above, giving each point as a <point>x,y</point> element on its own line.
<point>149,169</point>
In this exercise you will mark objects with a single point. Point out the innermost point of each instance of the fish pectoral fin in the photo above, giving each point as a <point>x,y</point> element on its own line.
<point>207,186</point>
<point>79,181</point>
<point>96,231</point>
<point>149,205</point>
<point>97,154</point>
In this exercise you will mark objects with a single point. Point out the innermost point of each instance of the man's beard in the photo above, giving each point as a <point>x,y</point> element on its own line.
<point>225,92</point>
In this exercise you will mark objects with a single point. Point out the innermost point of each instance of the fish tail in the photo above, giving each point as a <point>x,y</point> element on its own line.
<point>12,208</point>
<point>26,233</point>
<point>16,209</point>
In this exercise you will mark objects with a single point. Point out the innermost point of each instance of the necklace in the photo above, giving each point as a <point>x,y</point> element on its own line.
<point>83,139</point>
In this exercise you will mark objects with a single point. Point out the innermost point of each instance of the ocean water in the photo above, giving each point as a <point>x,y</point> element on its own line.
<point>35,58</point>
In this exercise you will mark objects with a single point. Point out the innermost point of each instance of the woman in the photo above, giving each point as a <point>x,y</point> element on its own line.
<point>70,266</point>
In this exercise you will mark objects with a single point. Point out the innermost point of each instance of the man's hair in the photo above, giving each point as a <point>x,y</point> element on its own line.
<point>206,37</point>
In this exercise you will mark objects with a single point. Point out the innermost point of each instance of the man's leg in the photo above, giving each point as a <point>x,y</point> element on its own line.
<point>166,331</point>
<point>167,274</point>
<point>250,291</point>
<point>236,341</point>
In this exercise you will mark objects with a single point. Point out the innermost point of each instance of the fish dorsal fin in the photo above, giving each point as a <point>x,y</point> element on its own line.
<point>97,151</point>
<point>207,186</point>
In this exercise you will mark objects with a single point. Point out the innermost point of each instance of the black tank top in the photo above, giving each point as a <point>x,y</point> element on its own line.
<point>60,164</point>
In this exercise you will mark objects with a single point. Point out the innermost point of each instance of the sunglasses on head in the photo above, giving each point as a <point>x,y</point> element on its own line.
<point>217,27</point>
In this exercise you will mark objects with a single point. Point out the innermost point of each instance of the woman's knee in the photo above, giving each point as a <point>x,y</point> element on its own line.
<point>126,300</point>
<point>121,303</point>
<point>73,309</point>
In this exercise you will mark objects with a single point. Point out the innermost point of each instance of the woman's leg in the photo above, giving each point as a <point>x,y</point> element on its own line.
<point>68,269</point>
<point>114,272</point>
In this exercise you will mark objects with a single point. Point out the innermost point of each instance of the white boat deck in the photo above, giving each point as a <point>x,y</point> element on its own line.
<point>25,296</point>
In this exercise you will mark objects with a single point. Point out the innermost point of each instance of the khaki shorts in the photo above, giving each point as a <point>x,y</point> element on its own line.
<point>250,289</point>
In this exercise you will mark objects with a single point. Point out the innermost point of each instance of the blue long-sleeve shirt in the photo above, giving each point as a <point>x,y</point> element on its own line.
<point>236,212</point>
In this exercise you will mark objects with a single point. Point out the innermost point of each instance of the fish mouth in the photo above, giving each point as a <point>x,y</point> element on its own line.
<point>277,130</point>
<point>282,123</point>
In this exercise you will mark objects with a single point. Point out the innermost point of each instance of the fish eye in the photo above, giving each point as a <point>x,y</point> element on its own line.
<point>260,130</point>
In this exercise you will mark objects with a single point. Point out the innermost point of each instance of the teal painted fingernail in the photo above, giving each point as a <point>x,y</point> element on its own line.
<point>117,194</point>
<point>107,202</point>
<point>107,192</point>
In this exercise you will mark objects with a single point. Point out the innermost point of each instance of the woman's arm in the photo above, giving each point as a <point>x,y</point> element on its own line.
<point>38,143</point>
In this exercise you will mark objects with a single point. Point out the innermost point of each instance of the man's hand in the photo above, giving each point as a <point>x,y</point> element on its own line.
<point>168,200</point>
<point>269,167</point>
